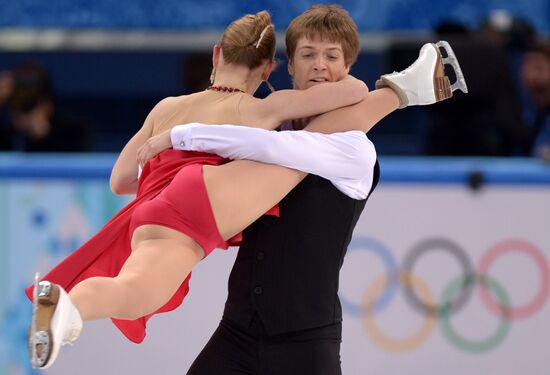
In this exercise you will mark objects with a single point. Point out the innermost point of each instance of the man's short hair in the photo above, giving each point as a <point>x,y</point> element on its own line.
<point>329,23</point>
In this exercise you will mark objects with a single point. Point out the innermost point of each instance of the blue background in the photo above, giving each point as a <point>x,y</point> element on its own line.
<point>370,15</point>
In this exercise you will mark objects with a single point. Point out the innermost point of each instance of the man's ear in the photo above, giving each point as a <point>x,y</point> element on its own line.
<point>290,68</point>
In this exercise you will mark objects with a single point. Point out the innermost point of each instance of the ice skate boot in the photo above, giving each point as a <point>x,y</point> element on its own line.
<point>425,82</point>
<point>55,322</point>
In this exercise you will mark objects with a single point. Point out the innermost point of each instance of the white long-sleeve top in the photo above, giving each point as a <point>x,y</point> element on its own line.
<point>346,159</point>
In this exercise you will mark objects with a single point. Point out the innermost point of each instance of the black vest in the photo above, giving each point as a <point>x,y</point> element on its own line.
<point>287,269</point>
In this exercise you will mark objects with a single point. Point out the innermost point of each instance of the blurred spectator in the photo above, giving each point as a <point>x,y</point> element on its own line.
<point>37,125</point>
<point>487,121</point>
<point>514,35</point>
<point>501,28</point>
<point>535,76</point>
<point>6,87</point>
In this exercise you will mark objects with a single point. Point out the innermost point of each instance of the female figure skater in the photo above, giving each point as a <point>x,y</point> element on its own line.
<point>140,262</point>
<point>187,203</point>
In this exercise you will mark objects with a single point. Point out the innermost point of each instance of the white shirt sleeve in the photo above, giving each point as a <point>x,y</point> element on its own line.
<point>346,159</point>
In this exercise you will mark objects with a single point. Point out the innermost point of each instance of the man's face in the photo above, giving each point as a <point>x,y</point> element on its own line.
<point>316,61</point>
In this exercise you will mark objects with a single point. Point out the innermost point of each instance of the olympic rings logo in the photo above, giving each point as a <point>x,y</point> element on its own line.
<point>454,296</point>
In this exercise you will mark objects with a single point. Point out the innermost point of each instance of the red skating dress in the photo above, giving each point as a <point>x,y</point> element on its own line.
<point>172,193</point>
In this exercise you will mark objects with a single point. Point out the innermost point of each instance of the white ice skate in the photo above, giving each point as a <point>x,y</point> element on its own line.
<point>425,82</point>
<point>55,322</point>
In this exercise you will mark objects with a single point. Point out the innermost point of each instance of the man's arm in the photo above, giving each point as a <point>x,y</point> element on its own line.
<point>346,159</point>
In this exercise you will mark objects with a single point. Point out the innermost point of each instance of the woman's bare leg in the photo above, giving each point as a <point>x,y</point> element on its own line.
<point>160,261</point>
<point>242,191</point>
<point>162,258</point>
<point>361,116</point>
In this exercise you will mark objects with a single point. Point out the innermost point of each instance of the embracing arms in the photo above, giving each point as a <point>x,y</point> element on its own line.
<point>266,113</point>
<point>284,105</point>
<point>346,159</point>
<point>285,150</point>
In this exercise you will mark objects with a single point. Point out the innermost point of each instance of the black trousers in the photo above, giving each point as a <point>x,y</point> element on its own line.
<point>234,349</point>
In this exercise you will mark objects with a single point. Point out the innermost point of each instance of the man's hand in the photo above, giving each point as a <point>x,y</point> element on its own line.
<point>153,146</point>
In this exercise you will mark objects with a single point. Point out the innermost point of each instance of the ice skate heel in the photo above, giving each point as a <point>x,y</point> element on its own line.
<point>442,84</point>
<point>55,322</point>
<point>425,82</point>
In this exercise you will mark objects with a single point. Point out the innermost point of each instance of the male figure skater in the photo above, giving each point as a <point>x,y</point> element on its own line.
<point>282,315</point>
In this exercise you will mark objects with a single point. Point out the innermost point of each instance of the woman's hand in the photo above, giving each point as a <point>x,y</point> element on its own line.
<point>353,79</point>
<point>153,146</point>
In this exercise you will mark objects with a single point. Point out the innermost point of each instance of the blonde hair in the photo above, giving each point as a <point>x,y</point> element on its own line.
<point>330,23</point>
<point>249,40</point>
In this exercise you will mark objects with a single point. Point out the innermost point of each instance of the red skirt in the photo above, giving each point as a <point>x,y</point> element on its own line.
<point>171,193</point>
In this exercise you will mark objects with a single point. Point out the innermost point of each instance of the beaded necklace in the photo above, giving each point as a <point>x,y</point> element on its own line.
<point>224,89</point>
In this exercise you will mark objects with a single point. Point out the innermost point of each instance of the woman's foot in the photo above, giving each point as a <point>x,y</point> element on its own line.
<point>55,322</point>
<point>425,82</point>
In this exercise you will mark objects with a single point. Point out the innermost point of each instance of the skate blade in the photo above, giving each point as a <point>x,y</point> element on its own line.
<point>32,334</point>
<point>44,303</point>
<point>451,59</point>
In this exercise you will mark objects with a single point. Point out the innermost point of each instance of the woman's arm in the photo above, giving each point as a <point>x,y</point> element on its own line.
<point>284,105</point>
<point>124,176</point>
